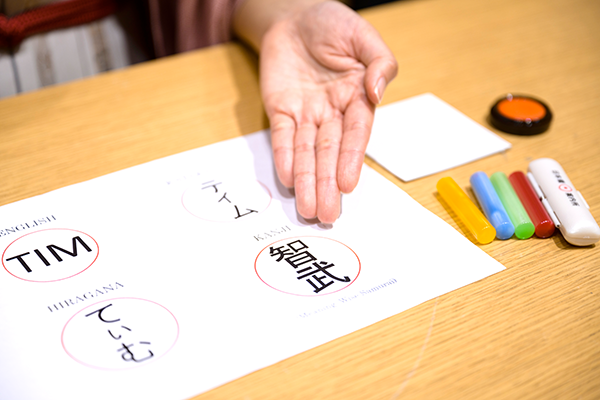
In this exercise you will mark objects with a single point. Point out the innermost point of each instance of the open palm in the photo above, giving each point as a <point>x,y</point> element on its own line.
<point>322,72</point>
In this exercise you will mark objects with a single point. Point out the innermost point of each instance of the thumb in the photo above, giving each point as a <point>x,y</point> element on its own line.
<point>381,64</point>
<point>379,74</point>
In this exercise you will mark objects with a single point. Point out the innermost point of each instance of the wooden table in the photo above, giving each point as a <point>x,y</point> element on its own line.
<point>530,332</point>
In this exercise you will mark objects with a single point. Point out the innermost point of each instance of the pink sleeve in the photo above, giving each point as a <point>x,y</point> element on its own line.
<point>182,25</point>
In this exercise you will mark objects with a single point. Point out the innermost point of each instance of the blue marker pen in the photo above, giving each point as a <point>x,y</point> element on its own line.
<point>492,206</point>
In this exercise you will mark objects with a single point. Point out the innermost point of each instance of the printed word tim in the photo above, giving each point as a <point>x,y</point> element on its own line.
<point>29,258</point>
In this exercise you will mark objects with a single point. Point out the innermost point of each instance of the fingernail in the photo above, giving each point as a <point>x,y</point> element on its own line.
<point>380,88</point>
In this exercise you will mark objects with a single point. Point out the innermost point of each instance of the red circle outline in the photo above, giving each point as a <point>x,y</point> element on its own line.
<point>568,190</point>
<point>309,295</point>
<point>62,335</point>
<point>228,222</point>
<point>50,229</point>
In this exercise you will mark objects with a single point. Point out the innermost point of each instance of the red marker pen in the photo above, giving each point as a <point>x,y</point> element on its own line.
<point>544,227</point>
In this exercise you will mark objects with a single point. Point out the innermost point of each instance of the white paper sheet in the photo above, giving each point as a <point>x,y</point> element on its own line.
<point>190,271</point>
<point>424,135</point>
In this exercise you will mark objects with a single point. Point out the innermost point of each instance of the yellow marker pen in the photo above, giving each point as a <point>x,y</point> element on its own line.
<point>468,212</point>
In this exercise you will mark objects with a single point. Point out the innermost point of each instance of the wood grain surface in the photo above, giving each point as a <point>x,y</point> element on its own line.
<point>530,332</point>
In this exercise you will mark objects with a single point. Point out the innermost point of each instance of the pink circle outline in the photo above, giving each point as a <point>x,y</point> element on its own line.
<point>227,222</point>
<point>562,187</point>
<point>308,295</point>
<point>62,335</point>
<point>50,229</point>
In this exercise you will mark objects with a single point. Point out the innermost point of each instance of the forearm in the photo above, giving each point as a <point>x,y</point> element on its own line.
<point>253,18</point>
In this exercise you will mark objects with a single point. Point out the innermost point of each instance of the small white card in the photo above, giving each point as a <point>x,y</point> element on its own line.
<point>424,135</point>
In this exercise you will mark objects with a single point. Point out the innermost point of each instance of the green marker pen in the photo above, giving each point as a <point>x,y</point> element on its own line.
<point>518,216</point>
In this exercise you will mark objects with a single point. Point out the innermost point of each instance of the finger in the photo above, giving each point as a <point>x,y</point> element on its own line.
<point>382,66</point>
<point>358,120</point>
<point>304,170</point>
<point>327,152</point>
<point>379,74</point>
<point>283,128</point>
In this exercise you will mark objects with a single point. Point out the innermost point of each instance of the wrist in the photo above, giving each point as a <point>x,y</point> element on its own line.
<point>253,18</point>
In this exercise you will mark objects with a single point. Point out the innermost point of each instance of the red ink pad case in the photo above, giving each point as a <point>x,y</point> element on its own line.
<point>520,115</point>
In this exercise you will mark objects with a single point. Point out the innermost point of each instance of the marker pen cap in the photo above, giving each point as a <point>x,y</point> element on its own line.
<point>544,227</point>
<point>464,208</point>
<point>521,115</point>
<point>491,205</point>
<point>518,216</point>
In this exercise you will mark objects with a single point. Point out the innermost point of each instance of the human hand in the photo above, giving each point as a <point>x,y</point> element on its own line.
<point>322,71</point>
